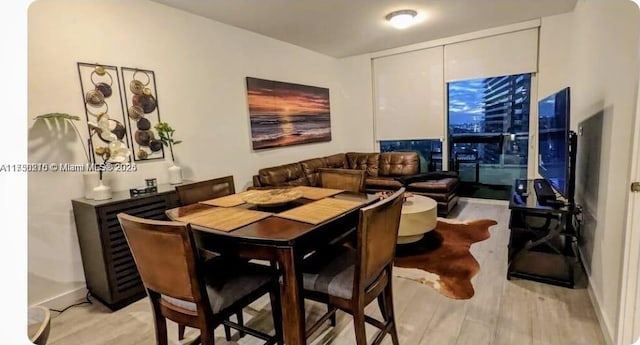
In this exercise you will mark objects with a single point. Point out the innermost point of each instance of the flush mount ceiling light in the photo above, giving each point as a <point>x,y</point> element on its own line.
<point>402,19</point>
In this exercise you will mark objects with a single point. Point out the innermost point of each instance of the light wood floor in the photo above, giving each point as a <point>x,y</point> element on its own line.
<point>501,312</point>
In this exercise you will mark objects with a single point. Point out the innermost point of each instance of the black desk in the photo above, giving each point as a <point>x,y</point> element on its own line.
<point>543,240</point>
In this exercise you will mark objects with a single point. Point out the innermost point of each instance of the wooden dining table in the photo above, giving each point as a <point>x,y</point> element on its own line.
<point>285,241</point>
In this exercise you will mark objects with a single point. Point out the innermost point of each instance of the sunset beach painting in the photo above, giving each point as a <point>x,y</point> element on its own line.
<point>284,114</point>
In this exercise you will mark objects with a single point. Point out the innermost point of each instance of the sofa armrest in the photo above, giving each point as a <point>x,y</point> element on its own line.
<point>435,175</point>
<point>256,181</point>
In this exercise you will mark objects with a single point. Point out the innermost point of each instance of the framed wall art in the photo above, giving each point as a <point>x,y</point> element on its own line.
<point>283,114</point>
<point>100,85</point>
<point>143,114</point>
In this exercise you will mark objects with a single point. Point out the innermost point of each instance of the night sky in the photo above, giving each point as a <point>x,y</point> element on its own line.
<point>466,101</point>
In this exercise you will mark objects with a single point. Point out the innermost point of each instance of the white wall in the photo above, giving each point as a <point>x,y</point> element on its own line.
<point>200,67</point>
<point>594,50</point>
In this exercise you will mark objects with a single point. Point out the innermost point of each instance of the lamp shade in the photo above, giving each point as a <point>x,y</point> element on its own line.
<point>402,19</point>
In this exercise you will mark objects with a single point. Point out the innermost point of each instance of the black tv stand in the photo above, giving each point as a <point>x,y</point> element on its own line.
<point>543,239</point>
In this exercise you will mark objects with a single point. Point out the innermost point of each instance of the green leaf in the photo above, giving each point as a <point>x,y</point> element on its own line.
<point>177,142</point>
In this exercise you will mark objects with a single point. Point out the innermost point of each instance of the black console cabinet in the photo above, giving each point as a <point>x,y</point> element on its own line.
<point>109,269</point>
<point>543,240</point>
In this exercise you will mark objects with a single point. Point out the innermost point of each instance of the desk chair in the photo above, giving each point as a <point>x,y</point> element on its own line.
<point>346,179</point>
<point>191,193</point>
<point>198,294</point>
<point>350,279</point>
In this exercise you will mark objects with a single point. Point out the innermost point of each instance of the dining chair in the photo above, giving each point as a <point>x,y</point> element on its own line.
<point>191,193</point>
<point>346,179</point>
<point>350,278</point>
<point>192,292</point>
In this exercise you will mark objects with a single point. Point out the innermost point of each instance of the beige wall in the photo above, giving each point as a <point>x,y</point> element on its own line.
<point>605,79</point>
<point>594,50</point>
<point>200,67</point>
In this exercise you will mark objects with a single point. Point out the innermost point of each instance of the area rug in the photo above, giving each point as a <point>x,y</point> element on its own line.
<point>442,258</point>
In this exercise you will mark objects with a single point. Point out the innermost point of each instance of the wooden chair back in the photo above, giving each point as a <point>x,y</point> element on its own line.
<point>204,190</point>
<point>351,180</point>
<point>165,256</point>
<point>377,237</point>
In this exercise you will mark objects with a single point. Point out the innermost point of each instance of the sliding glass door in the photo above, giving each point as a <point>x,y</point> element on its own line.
<point>488,133</point>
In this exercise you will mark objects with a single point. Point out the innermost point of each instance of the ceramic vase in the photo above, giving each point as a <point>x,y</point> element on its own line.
<point>175,174</point>
<point>101,192</point>
<point>90,179</point>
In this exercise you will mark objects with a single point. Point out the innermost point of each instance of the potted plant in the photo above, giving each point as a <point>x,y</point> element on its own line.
<point>115,152</point>
<point>165,131</point>
<point>90,177</point>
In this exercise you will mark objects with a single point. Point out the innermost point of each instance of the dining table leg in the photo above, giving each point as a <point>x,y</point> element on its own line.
<point>291,299</point>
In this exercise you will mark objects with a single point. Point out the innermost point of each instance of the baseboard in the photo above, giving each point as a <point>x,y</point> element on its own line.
<point>66,299</point>
<point>608,337</point>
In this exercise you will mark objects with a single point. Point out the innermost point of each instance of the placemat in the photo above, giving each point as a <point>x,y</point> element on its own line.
<point>224,218</point>
<point>229,200</point>
<point>319,211</point>
<point>315,193</point>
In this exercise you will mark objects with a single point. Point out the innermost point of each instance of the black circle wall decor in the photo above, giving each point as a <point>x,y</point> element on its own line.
<point>144,124</point>
<point>143,113</point>
<point>104,109</point>
<point>155,145</point>
<point>105,89</point>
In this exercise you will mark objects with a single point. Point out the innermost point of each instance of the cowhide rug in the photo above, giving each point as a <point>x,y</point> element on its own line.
<point>442,258</point>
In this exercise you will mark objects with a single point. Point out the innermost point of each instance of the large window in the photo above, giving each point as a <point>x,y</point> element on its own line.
<point>488,129</point>
<point>430,151</point>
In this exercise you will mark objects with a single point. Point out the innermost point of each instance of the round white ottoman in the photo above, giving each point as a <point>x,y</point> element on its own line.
<point>419,216</point>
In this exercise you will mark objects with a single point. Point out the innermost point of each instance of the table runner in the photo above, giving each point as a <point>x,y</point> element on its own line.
<point>229,200</point>
<point>315,193</point>
<point>224,218</point>
<point>319,211</point>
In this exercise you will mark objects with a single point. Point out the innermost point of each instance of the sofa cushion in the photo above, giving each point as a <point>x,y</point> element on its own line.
<point>337,161</point>
<point>381,183</point>
<point>439,186</point>
<point>399,163</point>
<point>364,161</point>
<point>283,175</point>
<point>311,168</point>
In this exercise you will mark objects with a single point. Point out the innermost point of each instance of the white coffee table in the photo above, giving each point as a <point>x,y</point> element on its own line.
<point>419,216</point>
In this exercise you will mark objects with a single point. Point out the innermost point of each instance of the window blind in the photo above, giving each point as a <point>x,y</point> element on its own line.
<point>505,54</point>
<point>409,95</point>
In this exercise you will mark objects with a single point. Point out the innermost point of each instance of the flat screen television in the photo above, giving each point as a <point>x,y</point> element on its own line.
<point>556,143</point>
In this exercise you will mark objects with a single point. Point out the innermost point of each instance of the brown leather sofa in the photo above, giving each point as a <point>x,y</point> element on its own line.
<point>385,171</point>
